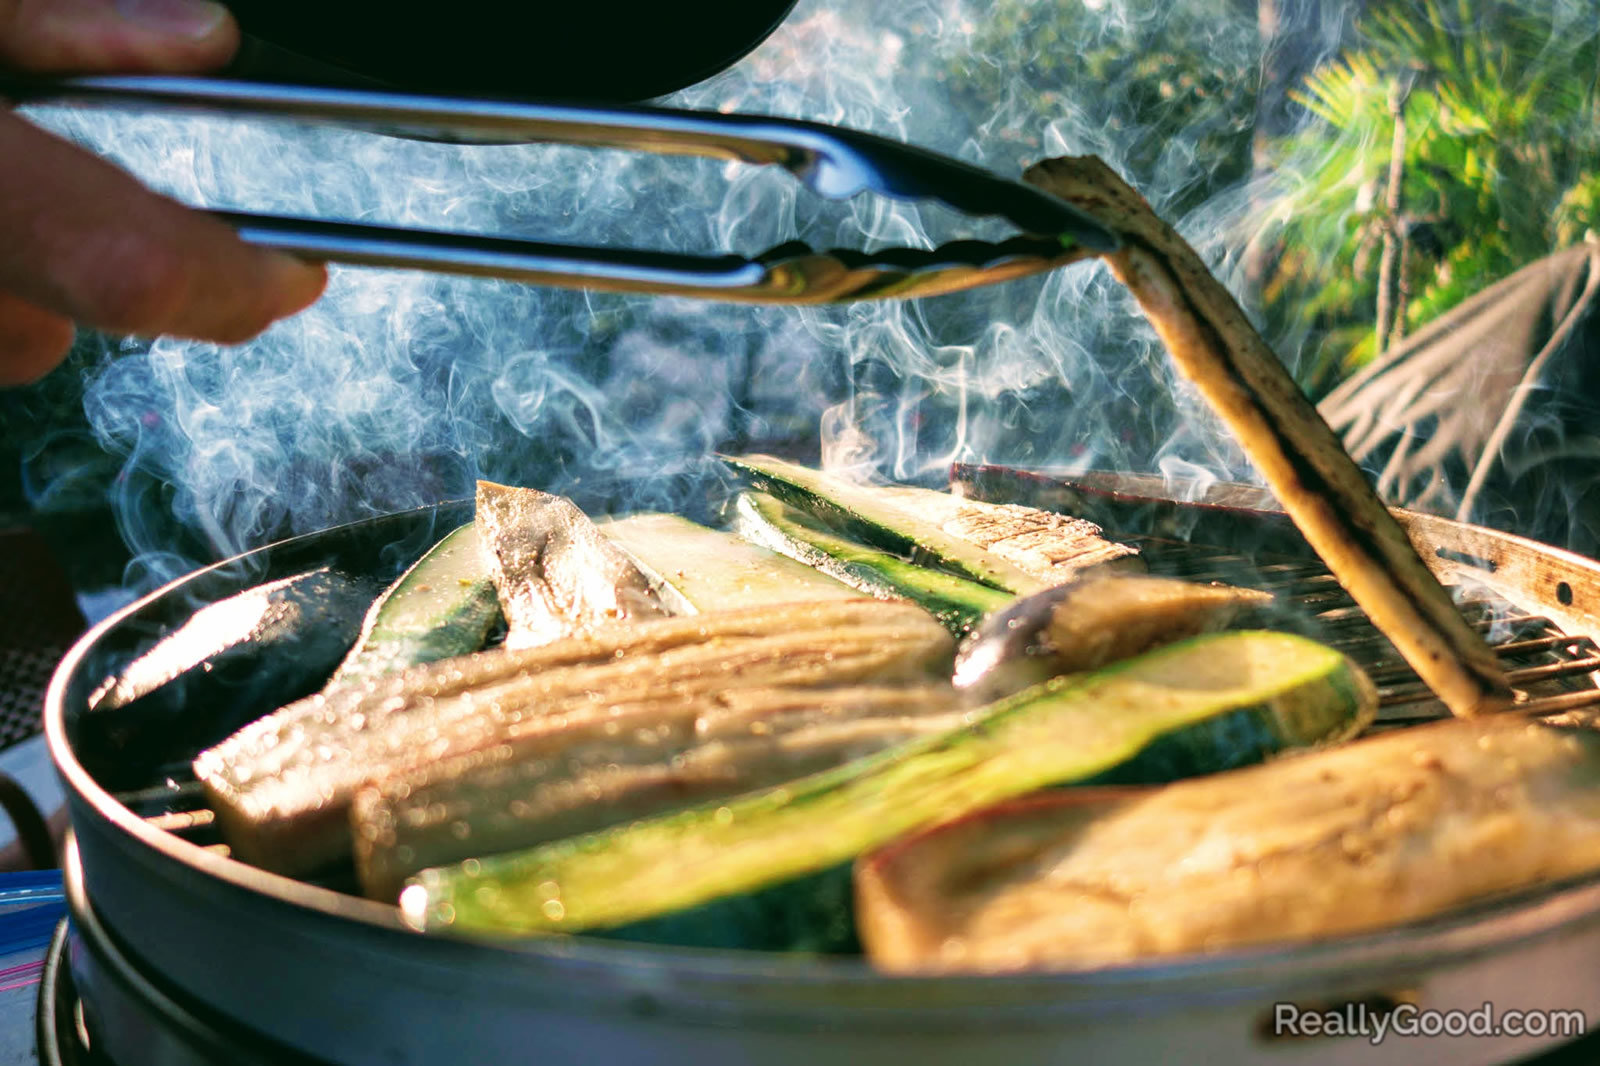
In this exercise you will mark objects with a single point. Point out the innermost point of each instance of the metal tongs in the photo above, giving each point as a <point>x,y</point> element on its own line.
<point>832,162</point>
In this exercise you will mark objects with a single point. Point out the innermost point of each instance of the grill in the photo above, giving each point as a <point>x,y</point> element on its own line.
<point>323,974</point>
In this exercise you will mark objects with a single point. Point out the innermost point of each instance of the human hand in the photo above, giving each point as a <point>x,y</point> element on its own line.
<point>82,241</point>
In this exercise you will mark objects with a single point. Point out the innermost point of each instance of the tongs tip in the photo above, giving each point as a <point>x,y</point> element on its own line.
<point>1077,231</point>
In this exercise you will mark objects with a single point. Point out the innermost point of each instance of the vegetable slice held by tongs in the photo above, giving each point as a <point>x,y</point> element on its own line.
<point>1321,488</point>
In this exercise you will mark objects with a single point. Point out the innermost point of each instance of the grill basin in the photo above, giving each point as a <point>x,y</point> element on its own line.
<point>340,979</point>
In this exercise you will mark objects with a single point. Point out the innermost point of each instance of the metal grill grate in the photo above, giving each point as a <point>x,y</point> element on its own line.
<point>1554,670</point>
<point>24,676</point>
<point>39,620</point>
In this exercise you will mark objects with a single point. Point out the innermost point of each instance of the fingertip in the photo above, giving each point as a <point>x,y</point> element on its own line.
<point>92,245</point>
<point>296,283</point>
<point>285,286</point>
<point>194,20</point>
<point>149,36</point>
<point>181,35</point>
<point>237,305</point>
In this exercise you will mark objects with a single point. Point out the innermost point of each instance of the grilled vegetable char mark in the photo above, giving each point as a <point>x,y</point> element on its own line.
<point>1010,548</point>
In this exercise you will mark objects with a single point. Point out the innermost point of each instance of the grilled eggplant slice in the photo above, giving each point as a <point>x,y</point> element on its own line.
<point>1014,549</point>
<point>584,773</point>
<point>1089,623</point>
<point>443,606</point>
<point>958,603</point>
<point>232,661</point>
<point>1210,703</point>
<point>556,573</point>
<point>1327,496</point>
<point>695,569</point>
<point>1387,830</point>
<point>282,786</point>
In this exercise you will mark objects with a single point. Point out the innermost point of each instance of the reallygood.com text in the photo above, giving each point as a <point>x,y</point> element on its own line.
<point>1409,1020</point>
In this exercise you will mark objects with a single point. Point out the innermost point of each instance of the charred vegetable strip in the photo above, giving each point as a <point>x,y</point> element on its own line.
<point>1014,549</point>
<point>698,569</point>
<point>1203,705</point>
<point>676,750</point>
<point>282,786</point>
<point>1328,497</point>
<point>958,604</point>
<point>555,572</point>
<point>444,605</point>
<point>1381,832</point>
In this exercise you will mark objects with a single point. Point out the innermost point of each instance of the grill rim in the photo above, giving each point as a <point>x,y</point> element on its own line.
<point>710,987</point>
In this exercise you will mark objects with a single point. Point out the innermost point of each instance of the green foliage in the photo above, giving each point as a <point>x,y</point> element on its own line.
<point>1501,163</point>
<point>1166,92</point>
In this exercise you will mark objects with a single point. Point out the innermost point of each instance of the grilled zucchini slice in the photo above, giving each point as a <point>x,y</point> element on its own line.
<point>443,606</point>
<point>1014,549</point>
<point>958,603</point>
<point>1206,704</point>
<point>696,569</point>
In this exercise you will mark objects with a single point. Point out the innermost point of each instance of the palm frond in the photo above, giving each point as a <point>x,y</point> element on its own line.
<point>1502,149</point>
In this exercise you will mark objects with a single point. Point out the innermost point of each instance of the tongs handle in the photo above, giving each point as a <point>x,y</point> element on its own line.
<point>834,163</point>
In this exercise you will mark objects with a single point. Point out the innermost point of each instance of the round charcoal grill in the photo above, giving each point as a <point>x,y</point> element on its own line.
<point>315,974</point>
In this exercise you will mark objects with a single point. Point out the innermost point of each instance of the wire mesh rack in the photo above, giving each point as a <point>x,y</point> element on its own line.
<point>1552,671</point>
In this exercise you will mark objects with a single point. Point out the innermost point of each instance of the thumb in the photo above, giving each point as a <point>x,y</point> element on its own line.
<point>144,36</point>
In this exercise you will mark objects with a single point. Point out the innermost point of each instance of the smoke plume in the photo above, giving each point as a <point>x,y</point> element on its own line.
<point>398,389</point>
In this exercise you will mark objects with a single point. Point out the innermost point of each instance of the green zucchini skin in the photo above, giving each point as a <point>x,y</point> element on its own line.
<point>856,510</point>
<point>813,914</point>
<point>443,606</point>
<point>1021,550</point>
<point>643,756</point>
<point>1183,702</point>
<point>695,568</point>
<point>958,603</point>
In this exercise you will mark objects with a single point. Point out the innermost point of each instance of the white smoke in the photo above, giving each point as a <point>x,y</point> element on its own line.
<point>398,389</point>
